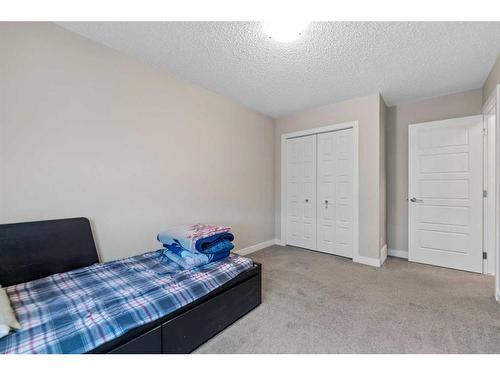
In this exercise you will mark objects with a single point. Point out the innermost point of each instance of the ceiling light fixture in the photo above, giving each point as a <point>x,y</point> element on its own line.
<point>284,31</point>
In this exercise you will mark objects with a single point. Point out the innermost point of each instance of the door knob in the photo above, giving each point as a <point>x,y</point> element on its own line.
<point>326,203</point>
<point>415,200</point>
<point>307,200</point>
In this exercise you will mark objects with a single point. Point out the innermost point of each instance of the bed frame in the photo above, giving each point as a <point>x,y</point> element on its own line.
<point>29,251</point>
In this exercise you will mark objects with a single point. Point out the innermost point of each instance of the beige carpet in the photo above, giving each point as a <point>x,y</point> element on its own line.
<point>319,303</point>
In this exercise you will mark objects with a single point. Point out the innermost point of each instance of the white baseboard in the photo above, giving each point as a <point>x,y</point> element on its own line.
<point>383,254</point>
<point>359,259</point>
<point>374,262</point>
<point>367,260</point>
<point>257,247</point>
<point>397,253</point>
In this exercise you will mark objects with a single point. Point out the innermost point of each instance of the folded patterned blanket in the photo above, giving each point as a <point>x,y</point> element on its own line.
<point>188,236</point>
<point>187,259</point>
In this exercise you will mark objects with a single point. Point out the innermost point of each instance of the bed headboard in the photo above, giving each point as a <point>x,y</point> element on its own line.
<point>30,251</point>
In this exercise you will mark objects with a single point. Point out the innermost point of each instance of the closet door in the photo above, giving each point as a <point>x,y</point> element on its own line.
<point>335,192</point>
<point>301,192</point>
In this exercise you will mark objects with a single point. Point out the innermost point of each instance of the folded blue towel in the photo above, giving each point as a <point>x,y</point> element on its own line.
<point>184,258</point>
<point>187,259</point>
<point>214,243</point>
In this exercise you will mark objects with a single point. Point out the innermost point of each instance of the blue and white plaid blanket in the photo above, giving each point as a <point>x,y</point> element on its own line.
<point>77,311</point>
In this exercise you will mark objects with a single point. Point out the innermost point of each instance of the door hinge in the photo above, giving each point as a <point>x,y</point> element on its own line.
<point>485,255</point>
<point>485,131</point>
<point>485,193</point>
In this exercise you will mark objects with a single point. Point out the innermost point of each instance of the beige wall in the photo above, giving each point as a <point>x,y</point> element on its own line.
<point>492,80</point>
<point>366,111</point>
<point>399,117</point>
<point>87,131</point>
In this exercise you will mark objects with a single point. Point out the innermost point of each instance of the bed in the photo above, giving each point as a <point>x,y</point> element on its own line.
<point>67,299</point>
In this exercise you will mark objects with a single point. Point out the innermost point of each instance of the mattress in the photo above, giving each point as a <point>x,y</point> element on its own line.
<point>77,311</point>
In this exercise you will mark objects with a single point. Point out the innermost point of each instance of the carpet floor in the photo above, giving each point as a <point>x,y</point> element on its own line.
<point>319,303</point>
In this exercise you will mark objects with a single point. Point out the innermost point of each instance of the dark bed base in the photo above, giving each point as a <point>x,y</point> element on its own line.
<point>182,331</point>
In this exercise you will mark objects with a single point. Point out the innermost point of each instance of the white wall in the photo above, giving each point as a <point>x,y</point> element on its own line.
<point>466,103</point>
<point>367,111</point>
<point>87,131</point>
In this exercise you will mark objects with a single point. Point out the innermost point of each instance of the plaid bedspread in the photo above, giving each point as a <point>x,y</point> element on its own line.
<point>77,311</point>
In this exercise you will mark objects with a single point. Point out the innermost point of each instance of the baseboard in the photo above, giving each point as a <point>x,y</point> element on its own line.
<point>383,254</point>
<point>280,242</point>
<point>257,247</point>
<point>359,259</point>
<point>367,261</point>
<point>397,253</point>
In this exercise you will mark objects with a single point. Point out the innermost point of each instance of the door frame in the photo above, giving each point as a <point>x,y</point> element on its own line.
<point>494,100</point>
<point>354,125</point>
<point>489,184</point>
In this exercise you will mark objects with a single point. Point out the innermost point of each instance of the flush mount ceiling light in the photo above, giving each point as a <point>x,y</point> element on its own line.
<point>284,31</point>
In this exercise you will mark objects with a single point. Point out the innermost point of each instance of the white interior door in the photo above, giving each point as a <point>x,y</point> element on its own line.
<point>335,192</point>
<point>445,193</point>
<point>301,192</point>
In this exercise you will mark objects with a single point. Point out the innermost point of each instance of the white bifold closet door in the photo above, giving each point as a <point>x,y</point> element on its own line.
<point>301,192</point>
<point>335,192</point>
<point>320,192</point>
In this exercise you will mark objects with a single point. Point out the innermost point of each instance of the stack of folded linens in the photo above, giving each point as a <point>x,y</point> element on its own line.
<point>194,245</point>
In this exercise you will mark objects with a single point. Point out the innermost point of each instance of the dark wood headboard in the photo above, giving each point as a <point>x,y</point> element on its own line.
<point>30,251</point>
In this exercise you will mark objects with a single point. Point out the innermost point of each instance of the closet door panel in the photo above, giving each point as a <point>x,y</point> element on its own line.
<point>309,192</point>
<point>344,199</point>
<point>335,210</point>
<point>301,192</point>
<point>294,192</point>
<point>326,191</point>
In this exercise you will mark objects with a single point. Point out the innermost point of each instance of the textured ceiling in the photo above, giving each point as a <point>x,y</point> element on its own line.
<point>332,61</point>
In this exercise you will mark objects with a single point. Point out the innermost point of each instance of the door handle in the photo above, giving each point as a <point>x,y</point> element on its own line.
<point>307,200</point>
<point>326,203</point>
<point>415,200</point>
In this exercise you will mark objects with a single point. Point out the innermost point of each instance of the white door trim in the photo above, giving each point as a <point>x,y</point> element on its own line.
<point>489,170</point>
<point>497,192</point>
<point>355,180</point>
<point>495,98</point>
